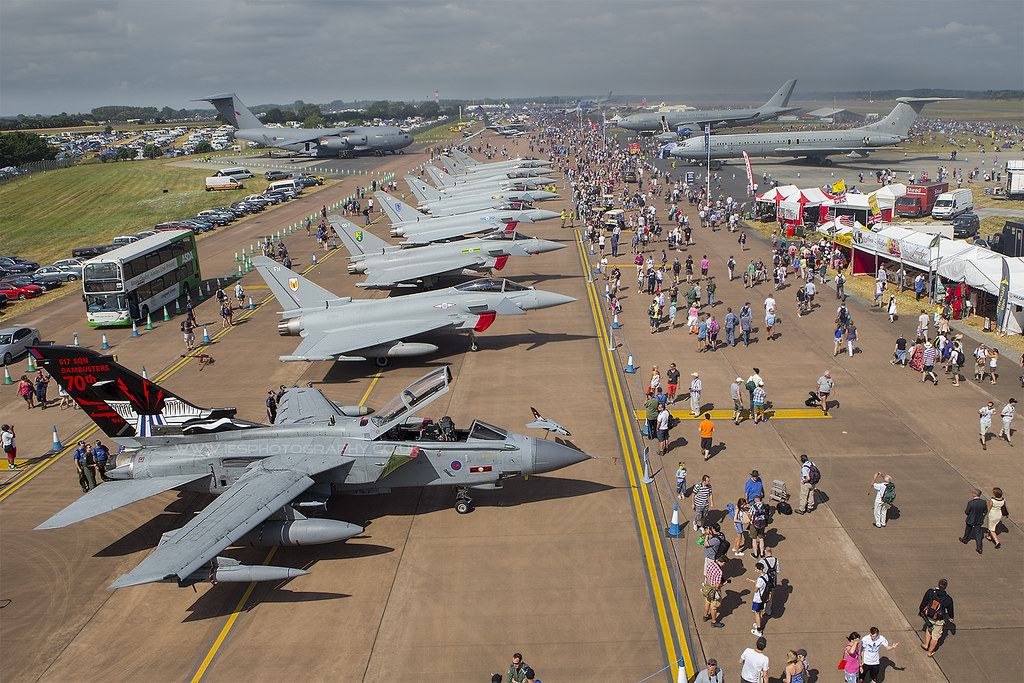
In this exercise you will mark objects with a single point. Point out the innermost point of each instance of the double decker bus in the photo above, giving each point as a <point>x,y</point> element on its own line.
<point>140,278</point>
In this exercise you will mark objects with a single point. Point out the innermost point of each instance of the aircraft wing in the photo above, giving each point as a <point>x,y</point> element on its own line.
<point>305,406</point>
<point>391,275</point>
<point>115,494</point>
<point>328,344</point>
<point>263,490</point>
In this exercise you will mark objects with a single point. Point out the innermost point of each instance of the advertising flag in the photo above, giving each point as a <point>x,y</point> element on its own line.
<point>873,203</point>
<point>750,174</point>
<point>1004,294</point>
<point>707,138</point>
<point>839,186</point>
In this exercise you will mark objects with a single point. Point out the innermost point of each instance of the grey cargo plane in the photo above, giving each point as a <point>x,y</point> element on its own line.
<point>317,142</point>
<point>266,476</point>
<point>389,267</point>
<point>342,328</point>
<point>815,146</point>
<point>683,123</point>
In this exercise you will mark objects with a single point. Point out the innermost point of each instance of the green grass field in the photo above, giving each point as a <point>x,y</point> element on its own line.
<point>47,214</point>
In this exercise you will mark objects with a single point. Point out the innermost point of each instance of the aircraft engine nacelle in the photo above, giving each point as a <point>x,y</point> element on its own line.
<point>333,145</point>
<point>296,532</point>
<point>357,267</point>
<point>354,140</point>
<point>398,350</point>
<point>290,328</point>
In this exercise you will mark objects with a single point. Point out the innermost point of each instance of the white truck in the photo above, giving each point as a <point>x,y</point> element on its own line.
<point>949,205</point>
<point>1015,179</point>
<point>222,183</point>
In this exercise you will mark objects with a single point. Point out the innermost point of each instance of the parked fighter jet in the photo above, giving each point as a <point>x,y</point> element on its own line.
<point>390,267</point>
<point>265,476</point>
<point>471,163</point>
<point>439,203</point>
<point>420,228</point>
<point>446,181</point>
<point>342,328</point>
<point>816,146</point>
<point>677,122</point>
<point>460,172</point>
<point>318,142</point>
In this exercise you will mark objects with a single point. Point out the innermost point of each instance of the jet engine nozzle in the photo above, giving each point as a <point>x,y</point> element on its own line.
<point>290,328</point>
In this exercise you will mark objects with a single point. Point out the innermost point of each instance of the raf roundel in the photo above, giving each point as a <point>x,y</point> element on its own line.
<point>456,465</point>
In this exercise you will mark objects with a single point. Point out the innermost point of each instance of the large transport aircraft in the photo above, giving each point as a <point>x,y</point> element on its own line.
<point>342,328</point>
<point>816,146</point>
<point>317,142</point>
<point>681,124</point>
<point>269,478</point>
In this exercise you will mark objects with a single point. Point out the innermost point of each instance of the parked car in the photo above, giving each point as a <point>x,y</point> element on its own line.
<point>66,274</point>
<point>197,225</point>
<point>629,176</point>
<point>14,291</point>
<point>69,262</point>
<point>15,341</point>
<point>213,217</point>
<point>16,264</point>
<point>145,233</point>
<point>276,175</point>
<point>272,198</point>
<point>3,300</point>
<point>966,225</point>
<point>46,281</point>
<point>285,193</point>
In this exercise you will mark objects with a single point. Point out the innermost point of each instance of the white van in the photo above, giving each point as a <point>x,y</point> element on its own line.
<point>237,172</point>
<point>949,205</point>
<point>222,183</point>
<point>285,185</point>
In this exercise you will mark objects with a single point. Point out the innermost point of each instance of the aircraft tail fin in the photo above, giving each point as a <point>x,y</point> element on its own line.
<point>453,166</point>
<point>781,97</point>
<point>422,190</point>
<point>233,111</point>
<point>121,403</point>
<point>903,115</point>
<point>358,240</point>
<point>290,289</point>
<point>464,158</point>
<point>398,211</point>
<point>442,180</point>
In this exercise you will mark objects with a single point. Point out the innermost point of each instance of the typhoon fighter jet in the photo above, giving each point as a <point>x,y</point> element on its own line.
<point>268,478</point>
<point>438,203</point>
<point>446,181</point>
<point>343,328</point>
<point>317,142</point>
<point>419,228</point>
<point>682,123</point>
<point>390,267</point>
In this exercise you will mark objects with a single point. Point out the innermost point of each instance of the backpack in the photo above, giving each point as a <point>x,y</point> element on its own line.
<point>651,312</point>
<point>758,515</point>
<point>935,610</point>
<point>843,315</point>
<point>750,385</point>
<point>721,545</point>
<point>771,572</point>
<point>813,473</point>
<point>889,494</point>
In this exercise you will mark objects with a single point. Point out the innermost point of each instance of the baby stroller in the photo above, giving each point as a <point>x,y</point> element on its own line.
<point>813,401</point>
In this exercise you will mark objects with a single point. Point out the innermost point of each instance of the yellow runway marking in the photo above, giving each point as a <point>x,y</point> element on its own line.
<point>665,603</point>
<point>230,622</point>
<point>780,414</point>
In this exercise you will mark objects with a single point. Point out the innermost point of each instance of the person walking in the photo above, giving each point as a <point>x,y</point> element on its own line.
<point>10,447</point>
<point>985,422</point>
<point>736,392</point>
<point>995,514</point>
<point>27,391</point>
<point>1007,414</point>
<point>711,590</point>
<point>188,331</point>
<point>757,400</point>
<point>712,674</point>
<point>695,389</point>
<point>41,383</point>
<point>516,670</point>
<point>758,525</point>
<point>707,430</point>
<point>681,480</point>
<point>928,370</point>
<point>271,407</point>
<point>703,500</point>
<point>741,518</point>
<point>731,321</point>
<point>664,417</point>
<point>851,658</point>
<point>673,382</point>
<point>937,609</point>
<point>892,308</point>
<point>825,389</point>
<point>102,455</point>
<point>239,294</point>
<point>754,663</point>
<point>884,489</point>
<point>759,598</point>
<point>809,477</point>
<point>975,513</point>
<point>838,338</point>
<point>870,652</point>
<point>851,337</point>
<point>796,669</point>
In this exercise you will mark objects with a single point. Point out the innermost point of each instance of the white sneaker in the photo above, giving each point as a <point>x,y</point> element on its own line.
<point>756,632</point>
<point>737,553</point>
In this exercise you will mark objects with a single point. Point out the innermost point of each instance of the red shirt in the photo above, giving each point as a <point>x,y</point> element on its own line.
<point>713,574</point>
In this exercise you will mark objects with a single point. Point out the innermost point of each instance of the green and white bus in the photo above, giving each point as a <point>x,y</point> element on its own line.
<point>140,278</point>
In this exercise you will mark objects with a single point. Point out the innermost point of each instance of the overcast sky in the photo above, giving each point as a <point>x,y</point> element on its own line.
<point>73,55</point>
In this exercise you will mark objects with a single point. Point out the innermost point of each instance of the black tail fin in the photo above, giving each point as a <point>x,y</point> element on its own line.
<point>121,403</point>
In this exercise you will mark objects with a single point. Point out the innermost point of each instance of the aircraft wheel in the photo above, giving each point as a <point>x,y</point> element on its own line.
<point>382,361</point>
<point>462,506</point>
<point>826,162</point>
<point>474,347</point>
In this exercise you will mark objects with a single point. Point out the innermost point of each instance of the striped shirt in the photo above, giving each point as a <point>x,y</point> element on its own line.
<point>929,356</point>
<point>701,495</point>
<point>695,386</point>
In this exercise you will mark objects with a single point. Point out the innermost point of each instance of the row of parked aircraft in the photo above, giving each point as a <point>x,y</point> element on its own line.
<point>268,479</point>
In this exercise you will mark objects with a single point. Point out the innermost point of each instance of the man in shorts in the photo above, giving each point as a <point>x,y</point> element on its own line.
<point>663,420</point>
<point>937,609</point>
<point>759,598</point>
<point>707,430</point>
<point>673,382</point>
<point>711,590</point>
<point>825,387</point>
<point>736,391</point>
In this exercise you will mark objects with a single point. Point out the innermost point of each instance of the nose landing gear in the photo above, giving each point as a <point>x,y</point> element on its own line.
<point>463,503</point>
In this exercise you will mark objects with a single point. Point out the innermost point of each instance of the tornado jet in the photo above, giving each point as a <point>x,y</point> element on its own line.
<point>270,479</point>
<point>390,267</point>
<point>345,329</point>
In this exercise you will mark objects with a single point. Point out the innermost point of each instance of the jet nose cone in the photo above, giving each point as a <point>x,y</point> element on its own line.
<point>550,299</point>
<point>544,246</point>
<point>543,194</point>
<point>549,456</point>
<point>543,214</point>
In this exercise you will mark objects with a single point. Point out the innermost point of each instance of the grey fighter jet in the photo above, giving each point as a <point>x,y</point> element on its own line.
<point>317,142</point>
<point>683,123</point>
<point>815,146</point>
<point>439,203</point>
<point>268,478</point>
<point>446,181</point>
<point>390,267</point>
<point>460,172</point>
<point>420,228</point>
<point>471,163</point>
<point>342,328</point>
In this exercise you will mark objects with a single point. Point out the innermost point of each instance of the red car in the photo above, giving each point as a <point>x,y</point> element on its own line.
<point>16,292</point>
